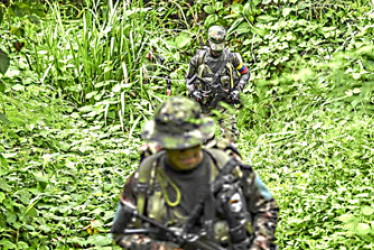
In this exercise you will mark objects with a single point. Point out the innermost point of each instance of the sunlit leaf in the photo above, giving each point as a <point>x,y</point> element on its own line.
<point>4,62</point>
<point>368,210</point>
<point>346,217</point>
<point>183,40</point>
<point>363,228</point>
<point>209,9</point>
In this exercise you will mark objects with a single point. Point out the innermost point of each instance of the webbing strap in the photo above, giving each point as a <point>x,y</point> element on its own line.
<point>147,172</point>
<point>228,55</point>
<point>164,185</point>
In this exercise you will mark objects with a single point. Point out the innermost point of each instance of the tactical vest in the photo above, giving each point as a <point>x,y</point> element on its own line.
<point>229,76</point>
<point>153,199</point>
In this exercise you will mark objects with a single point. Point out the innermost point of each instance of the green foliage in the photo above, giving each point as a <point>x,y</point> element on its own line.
<point>4,63</point>
<point>83,78</point>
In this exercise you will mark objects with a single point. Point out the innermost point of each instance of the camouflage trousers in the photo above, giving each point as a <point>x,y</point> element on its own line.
<point>227,122</point>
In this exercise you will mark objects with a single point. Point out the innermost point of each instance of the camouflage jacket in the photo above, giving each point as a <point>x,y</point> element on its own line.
<point>234,76</point>
<point>261,208</point>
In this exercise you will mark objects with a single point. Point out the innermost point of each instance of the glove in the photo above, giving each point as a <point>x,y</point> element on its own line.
<point>234,95</point>
<point>197,95</point>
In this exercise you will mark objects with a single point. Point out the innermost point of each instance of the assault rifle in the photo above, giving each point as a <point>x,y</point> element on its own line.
<point>215,89</point>
<point>182,239</point>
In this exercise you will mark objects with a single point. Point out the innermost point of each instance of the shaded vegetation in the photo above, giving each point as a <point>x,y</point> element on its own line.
<point>78,89</point>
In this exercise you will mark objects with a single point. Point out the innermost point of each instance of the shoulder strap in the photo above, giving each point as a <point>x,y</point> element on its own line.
<point>219,159</point>
<point>201,53</point>
<point>147,175</point>
<point>227,55</point>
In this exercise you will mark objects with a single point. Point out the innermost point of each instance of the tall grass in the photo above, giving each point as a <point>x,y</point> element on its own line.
<point>97,59</point>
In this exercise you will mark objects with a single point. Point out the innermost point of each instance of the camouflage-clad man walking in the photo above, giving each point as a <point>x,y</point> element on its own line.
<point>194,191</point>
<point>216,74</point>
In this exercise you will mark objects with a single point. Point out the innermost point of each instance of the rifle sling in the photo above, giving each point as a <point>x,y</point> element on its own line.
<point>222,66</point>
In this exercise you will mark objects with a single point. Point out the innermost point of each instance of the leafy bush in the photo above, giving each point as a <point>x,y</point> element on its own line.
<point>84,76</point>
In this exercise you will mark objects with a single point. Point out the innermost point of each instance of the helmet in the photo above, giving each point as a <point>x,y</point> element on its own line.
<point>178,124</point>
<point>216,38</point>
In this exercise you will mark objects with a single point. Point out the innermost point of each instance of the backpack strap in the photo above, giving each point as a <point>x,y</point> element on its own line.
<point>201,55</point>
<point>146,180</point>
<point>219,159</point>
<point>227,58</point>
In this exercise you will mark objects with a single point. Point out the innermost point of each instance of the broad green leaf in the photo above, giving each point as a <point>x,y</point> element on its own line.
<point>4,62</point>
<point>18,87</point>
<point>2,10</point>
<point>2,87</point>
<point>22,245</point>
<point>7,244</point>
<point>368,210</point>
<point>117,88</point>
<point>219,5</point>
<point>3,161</point>
<point>99,240</point>
<point>346,217</point>
<point>64,145</point>
<point>4,186</point>
<point>11,217</point>
<point>286,11</point>
<point>183,40</point>
<point>209,9</point>
<point>234,26</point>
<point>363,228</point>
<point>236,8</point>
<point>2,197</point>
<point>266,18</point>
<point>91,94</point>
<point>243,28</point>
<point>210,20</point>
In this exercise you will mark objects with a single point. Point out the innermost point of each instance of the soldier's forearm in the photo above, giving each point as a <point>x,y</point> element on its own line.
<point>121,220</point>
<point>244,79</point>
<point>264,225</point>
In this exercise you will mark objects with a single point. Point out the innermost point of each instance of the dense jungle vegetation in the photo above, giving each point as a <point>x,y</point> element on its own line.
<point>78,79</point>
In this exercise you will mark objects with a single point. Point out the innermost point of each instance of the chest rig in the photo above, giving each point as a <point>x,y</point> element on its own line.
<point>153,199</point>
<point>208,66</point>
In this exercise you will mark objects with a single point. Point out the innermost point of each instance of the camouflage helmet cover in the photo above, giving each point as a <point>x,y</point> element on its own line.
<point>216,38</point>
<point>179,124</point>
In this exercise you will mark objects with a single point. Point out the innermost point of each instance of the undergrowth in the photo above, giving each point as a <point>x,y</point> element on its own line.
<point>84,76</point>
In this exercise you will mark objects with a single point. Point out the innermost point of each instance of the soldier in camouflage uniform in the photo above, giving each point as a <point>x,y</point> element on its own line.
<point>216,74</point>
<point>168,186</point>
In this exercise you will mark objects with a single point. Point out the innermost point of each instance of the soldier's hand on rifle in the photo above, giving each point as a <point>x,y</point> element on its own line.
<point>234,95</point>
<point>197,95</point>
